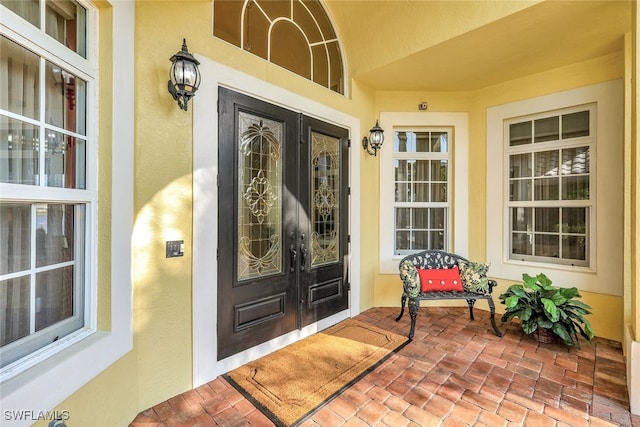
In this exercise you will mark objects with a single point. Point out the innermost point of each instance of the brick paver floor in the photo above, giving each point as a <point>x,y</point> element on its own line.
<point>455,372</point>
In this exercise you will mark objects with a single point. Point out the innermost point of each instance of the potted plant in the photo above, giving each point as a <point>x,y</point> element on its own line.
<point>543,308</point>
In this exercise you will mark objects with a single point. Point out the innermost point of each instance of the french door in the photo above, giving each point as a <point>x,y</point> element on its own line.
<point>283,215</point>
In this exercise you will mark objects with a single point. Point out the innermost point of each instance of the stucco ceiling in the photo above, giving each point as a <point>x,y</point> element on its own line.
<point>539,37</point>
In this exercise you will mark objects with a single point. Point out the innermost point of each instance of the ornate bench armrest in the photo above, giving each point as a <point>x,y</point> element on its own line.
<point>410,279</point>
<point>492,284</point>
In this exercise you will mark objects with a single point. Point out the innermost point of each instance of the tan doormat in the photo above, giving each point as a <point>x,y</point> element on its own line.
<point>290,384</point>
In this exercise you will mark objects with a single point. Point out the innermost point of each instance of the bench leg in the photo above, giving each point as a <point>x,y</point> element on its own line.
<point>471,302</point>
<point>403,300</point>
<point>414,307</point>
<point>492,307</point>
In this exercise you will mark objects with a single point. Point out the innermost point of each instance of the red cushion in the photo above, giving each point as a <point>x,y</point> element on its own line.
<point>440,280</point>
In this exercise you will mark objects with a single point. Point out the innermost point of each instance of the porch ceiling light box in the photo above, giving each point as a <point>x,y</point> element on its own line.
<point>375,140</point>
<point>184,76</point>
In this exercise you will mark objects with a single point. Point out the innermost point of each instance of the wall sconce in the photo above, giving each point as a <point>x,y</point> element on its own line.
<point>184,76</point>
<point>375,140</point>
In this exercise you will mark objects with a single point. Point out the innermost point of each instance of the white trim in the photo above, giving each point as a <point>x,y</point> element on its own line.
<point>205,211</point>
<point>633,370</point>
<point>605,273</point>
<point>459,185</point>
<point>51,381</point>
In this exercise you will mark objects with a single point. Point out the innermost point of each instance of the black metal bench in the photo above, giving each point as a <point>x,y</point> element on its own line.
<point>434,259</point>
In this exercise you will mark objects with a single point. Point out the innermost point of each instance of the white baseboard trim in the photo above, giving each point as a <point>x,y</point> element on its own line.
<point>632,353</point>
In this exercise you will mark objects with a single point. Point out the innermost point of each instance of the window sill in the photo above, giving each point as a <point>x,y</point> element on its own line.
<point>52,375</point>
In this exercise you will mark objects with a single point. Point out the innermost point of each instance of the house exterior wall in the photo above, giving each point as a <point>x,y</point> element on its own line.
<point>607,317</point>
<point>160,364</point>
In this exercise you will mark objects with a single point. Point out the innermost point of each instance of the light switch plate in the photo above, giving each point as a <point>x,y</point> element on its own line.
<point>175,248</point>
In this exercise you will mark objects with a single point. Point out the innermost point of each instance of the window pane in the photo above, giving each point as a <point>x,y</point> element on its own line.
<point>439,170</point>
<point>420,218</point>
<point>548,220</point>
<point>54,296</point>
<point>402,240</point>
<point>547,245</point>
<point>546,163</point>
<point>19,79</point>
<point>403,192</point>
<point>420,170</point>
<point>402,142</point>
<point>547,189</point>
<point>64,161</point>
<point>575,161</point>
<point>420,240</point>
<point>420,193</point>
<point>574,220</point>
<point>403,218</point>
<point>520,190</point>
<point>575,188</point>
<point>14,309</point>
<point>521,244</point>
<point>54,234</point>
<point>520,134</point>
<point>437,218</point>
<point>439,142</point>
<point>437,240</point>
<point>574,247</point>
<point>423,142</point>
<point>66,99</point>
<point>520,165</point>
<point>439,192</point>
<point>546,129</point>
<point>18,152</point>
<point>521,219</point>
<point>66,22</point>
<point>575,124</point>
<point>15,244</point>
<point>27,9</point>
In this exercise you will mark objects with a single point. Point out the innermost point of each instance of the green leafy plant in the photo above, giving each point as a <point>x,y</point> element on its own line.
<point>539,304</point>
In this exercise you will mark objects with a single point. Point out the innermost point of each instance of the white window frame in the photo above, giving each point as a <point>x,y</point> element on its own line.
<point>458,227</point>
<point>554,145</point>
<point>423,155</point>
<point>76,361</point>
<point>42,45</point>
<point>602,275</point>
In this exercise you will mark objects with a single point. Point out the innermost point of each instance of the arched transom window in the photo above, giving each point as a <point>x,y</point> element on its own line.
<point>295,34</point>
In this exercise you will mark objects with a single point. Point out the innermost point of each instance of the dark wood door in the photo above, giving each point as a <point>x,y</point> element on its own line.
<point>277,271</point>
<point>324,160</point>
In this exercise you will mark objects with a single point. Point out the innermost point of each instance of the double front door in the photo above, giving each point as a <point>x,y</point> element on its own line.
<point>283,234</point>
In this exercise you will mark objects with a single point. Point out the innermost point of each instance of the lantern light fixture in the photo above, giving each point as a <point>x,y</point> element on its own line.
<point>376,137</point>
<point>184,76</point>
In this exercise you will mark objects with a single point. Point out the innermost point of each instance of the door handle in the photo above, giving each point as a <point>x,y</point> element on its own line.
<point>294,257</point>
<point>303,253</point>
<point>303,256</point>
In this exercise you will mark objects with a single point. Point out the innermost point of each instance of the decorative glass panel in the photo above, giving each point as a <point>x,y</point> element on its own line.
<point>294,34</point>
<point>260,197</point>
<point>325,199</point>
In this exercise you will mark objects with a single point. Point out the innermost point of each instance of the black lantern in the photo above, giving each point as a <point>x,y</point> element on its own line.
<point>375,140</point>
<point>184,76</point>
